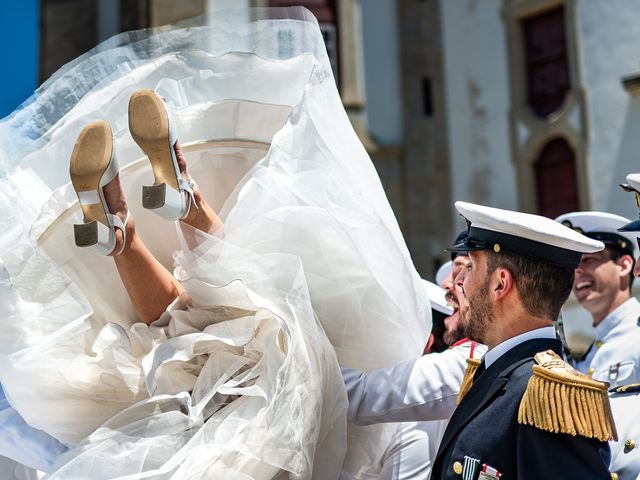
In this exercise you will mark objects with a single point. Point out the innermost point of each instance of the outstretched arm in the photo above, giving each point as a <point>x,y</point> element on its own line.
<point>416,390</point>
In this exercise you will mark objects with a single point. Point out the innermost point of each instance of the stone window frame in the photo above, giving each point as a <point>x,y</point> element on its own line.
<point>530,133</point>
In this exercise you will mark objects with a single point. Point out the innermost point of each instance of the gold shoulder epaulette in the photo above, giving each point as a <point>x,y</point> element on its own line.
<point>562,400</point>
<point>467,380</point>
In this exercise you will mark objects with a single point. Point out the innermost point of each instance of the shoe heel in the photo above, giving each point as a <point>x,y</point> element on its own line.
<point>86,234</point>
<point>95,236</point>
<point>153,196</point>
<point>165,201</point>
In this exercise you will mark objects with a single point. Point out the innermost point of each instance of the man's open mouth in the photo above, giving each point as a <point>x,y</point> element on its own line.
<point>583,286</point>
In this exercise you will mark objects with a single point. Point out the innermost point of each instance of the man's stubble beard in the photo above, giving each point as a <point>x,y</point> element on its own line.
<point>451,337</point>
<point>479,314</point>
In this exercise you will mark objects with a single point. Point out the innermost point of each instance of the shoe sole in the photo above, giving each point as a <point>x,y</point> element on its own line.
<point>89,160</point>
<point>149,127</point>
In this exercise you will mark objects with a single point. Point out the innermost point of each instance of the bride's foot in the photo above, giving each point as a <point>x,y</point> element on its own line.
<point>202,216</point>
<point>114,196</point>
<point>151,126</point>
<point>174,195</point>
<point>93,169</point>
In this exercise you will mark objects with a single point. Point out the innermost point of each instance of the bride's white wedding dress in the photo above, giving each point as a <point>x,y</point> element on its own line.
<point>239,378</point>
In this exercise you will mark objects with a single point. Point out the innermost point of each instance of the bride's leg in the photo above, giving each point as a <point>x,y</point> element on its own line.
<point>150,286</point>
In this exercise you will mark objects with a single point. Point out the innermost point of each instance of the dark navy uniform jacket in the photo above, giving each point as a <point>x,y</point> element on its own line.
<point>485,427</point>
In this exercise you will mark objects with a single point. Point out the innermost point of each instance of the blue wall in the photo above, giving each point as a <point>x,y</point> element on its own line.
<point>19,46</point>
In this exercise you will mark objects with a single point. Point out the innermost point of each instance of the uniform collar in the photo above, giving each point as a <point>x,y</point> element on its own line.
<point>460,342</point>
<point>502,348</point>
<point>629,309</point>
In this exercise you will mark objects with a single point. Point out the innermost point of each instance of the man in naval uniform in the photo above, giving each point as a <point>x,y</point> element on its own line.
<point>410,452</point>
<point>602,285</point>
<point>426,389</point>
<point>625,400</point>
<point>527,414</point>
<point>625,453</point>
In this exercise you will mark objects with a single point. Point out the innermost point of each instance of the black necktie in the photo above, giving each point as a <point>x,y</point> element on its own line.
<point>481,368</point>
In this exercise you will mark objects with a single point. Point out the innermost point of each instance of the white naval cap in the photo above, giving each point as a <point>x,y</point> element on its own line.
<point>601,226</point>
<point>534,236</point>
<point>632,185</point>
<point>443,272</point>
<point>437,297</point>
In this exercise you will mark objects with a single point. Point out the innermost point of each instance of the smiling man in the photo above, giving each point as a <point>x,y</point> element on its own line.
<point>602,285</point>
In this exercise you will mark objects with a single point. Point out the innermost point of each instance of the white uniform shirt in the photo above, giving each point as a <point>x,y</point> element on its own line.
<point>411,451</point>
<point>421,389</point>
<point>416,390</point>
<point>614,355</point>
<point>625,453</point>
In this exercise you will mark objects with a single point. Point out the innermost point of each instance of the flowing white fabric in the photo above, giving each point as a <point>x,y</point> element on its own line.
<point>239,378</point>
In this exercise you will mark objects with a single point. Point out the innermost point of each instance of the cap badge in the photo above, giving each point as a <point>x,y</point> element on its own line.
<point>496,247</point>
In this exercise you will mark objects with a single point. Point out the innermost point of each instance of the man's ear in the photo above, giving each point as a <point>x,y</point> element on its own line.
<point>503,283</point>
<point>626,265</point>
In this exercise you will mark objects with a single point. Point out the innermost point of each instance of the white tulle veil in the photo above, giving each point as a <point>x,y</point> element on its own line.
<point>241,379</point>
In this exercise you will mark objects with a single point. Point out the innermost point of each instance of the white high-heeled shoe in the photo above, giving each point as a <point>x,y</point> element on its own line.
<point>152,128</point>
<point>93,165</point>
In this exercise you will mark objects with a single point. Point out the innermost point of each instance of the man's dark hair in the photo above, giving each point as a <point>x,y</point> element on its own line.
<point>615,253</point>
<point>543,288</point>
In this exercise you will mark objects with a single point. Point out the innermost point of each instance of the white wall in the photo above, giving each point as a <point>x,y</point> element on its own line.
<point>477,98</point>
<point>382,70</point>
<point>610,49</point>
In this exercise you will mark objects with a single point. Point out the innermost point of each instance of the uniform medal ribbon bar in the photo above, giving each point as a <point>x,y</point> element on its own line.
<point>470,468</point>
<point>489,473</point>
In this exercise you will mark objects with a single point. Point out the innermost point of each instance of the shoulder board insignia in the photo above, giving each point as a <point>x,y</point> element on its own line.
<point>631,388</point>
<point>467,380</point>
<point>560,399</point>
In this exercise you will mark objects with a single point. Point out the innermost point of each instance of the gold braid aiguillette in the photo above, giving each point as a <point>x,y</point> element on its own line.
<point>467,380</point>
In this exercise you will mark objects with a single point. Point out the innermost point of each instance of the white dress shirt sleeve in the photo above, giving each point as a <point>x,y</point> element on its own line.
<point>416,390</point>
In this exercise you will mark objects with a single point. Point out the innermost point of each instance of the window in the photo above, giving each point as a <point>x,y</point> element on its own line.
<point>556,185</point>
<point>427,97</point>
<point>547,69</point>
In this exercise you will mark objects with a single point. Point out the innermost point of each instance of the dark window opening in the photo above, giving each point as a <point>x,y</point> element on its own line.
<point>427,97</point>
<point>547,68</point>
<point>556,180</point>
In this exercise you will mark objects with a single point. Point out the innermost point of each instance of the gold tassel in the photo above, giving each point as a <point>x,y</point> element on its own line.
<point>467,380</point>
<point>560,399</point>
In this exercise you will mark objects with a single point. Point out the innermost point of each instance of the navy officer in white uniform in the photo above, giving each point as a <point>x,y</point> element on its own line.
<point>625,453</point>
<point>413,446</point>
<point>436,379</point>
<point>507,425</point>
<point>602,285</point>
